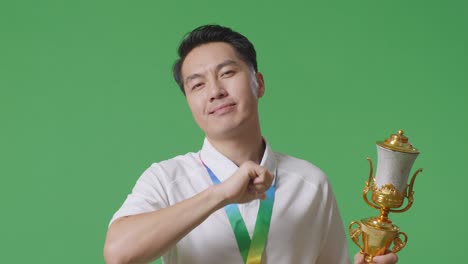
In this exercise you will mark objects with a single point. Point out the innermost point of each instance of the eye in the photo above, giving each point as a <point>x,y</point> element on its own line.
<point>197,85</point>
<point>228,73</point>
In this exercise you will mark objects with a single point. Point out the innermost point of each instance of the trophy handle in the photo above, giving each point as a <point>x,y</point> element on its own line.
<point>355,233</point>
<point>368,185</point>
<point>398,244</point>
<point>409,194</point>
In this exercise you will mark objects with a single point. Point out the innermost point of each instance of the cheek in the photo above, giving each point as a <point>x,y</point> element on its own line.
<point>196,107</point>
<point>244,88</point>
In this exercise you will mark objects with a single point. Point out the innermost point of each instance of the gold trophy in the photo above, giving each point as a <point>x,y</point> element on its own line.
<point>389,189</point>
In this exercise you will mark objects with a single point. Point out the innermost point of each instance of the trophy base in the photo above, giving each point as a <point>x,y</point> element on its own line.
<point>377,236</point>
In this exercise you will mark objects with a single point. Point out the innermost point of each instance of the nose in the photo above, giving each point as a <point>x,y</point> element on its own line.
<point>217,90</point>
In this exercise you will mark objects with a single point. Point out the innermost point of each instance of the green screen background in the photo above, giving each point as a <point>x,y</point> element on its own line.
<point>87,103</point>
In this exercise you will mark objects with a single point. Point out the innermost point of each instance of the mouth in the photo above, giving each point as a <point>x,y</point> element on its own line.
<point>224,108</point>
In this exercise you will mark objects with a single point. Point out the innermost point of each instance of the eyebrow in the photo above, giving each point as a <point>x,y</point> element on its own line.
<point>218,67</point>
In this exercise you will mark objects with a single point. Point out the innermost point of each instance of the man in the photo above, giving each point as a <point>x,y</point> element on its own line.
<point>234,201</point>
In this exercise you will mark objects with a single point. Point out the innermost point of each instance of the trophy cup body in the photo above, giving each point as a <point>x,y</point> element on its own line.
<point>375,235</point>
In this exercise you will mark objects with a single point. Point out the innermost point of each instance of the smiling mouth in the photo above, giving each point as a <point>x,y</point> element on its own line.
<point>223,109</point>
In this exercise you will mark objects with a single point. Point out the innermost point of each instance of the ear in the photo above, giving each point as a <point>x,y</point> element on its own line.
<point>261,84</point>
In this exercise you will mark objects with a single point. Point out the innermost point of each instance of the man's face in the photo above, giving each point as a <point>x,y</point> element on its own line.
<point>221,90</point>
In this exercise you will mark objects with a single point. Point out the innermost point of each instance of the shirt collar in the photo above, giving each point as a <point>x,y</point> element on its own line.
<point>223,167</point>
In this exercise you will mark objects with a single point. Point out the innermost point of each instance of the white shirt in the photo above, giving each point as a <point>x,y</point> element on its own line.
<point>306,226</point>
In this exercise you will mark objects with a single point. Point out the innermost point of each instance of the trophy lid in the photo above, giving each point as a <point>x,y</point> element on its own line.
<point>398,142</point>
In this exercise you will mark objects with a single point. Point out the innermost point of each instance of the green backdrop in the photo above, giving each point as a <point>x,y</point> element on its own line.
<point>87,103</point>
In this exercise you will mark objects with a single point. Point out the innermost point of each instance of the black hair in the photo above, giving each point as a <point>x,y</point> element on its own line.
<point>213,33</point>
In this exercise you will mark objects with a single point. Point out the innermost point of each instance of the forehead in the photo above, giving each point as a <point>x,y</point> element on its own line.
<point>208,56</point>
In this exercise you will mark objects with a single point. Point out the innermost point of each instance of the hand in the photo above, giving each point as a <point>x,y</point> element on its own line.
<point>248,183</point>
<point>389,258</point>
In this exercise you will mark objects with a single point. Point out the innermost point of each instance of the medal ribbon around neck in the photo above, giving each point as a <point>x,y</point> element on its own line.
<point>251,251</point>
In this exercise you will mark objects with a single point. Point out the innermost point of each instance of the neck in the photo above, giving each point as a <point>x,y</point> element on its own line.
<point>250,148</point>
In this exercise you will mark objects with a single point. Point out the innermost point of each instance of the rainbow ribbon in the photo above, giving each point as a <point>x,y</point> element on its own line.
<point>251,251</point>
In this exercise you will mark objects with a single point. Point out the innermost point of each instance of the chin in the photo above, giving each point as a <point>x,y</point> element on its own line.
<point>223,132</point>
<point>227,128</point>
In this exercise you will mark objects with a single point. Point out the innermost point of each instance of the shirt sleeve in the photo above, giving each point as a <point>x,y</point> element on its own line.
<point>147,195</point>
<point>334,247</point>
